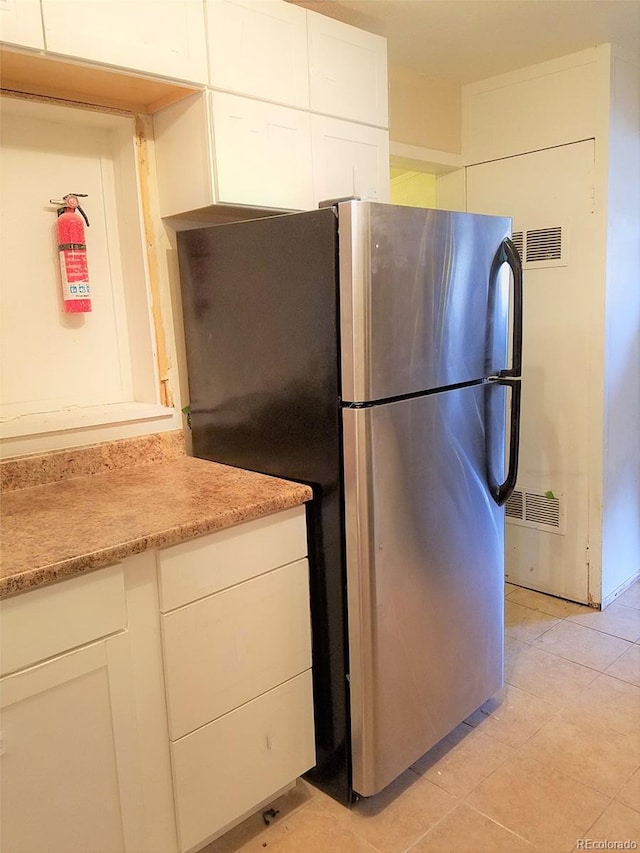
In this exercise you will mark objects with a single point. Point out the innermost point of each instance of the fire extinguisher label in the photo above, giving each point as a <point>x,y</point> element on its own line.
<point>74,273</point>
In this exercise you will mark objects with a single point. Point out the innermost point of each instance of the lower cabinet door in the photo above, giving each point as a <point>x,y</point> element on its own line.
<point>69,774</point>
<point>229,767</point>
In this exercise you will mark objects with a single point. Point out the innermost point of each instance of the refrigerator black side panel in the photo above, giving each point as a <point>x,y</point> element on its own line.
<point>261,327</point>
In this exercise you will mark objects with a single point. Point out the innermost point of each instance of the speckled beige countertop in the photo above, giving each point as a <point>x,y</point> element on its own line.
<point>63,528</point>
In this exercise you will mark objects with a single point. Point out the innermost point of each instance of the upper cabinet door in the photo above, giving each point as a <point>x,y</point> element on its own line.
<point>348,71</point>
<point>349,160</point>
<point>164,37</point>
<point>262,154</point>
<point>21,23</point>
<point>259,48</point>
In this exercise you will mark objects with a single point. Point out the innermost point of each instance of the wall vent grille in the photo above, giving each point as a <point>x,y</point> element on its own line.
<point>531,508</point>
<point>544,244</point>
<point>542,247</point>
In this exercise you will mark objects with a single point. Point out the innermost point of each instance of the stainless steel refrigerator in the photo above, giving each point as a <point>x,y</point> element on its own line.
<point>372,351</point>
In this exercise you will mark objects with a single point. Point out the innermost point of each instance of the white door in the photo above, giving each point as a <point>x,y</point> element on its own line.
<point>549,196</point>
<point>262,153</point>
<point>347,71</point>
<point>349,160</point>
<point>165,37</point>
<point>21,23</point>
<point>259,48</point>
<point>69,772</point>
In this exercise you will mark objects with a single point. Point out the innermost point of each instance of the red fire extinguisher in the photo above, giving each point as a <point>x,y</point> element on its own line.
<point>72,253</point>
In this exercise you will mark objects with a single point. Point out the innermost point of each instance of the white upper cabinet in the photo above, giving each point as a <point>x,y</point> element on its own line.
<point>259,48</point>
<point>349,160</point>
<point>241,152</point>
<point>297,114</point>
<point>21,23</point>
<point>164,37</point>
<point>347,71</point>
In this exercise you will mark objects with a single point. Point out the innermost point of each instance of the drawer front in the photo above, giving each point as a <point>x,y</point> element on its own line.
<point>45,622</point>
<point>232,765</point>
<point>194,569</point>
<point>231,647</point>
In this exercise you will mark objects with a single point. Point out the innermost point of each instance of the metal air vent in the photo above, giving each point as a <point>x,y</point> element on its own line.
<point>542,247</point>
<point>532,508</point>
<point>544,244</point>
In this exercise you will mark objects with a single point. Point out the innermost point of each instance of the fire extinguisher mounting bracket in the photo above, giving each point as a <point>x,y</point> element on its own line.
<point>70,202</point>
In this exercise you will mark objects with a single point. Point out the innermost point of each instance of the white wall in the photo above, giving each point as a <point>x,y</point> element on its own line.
<point>549,104</point>
<point>621,480</point>
<point>424,112</point>
<point>73,379</point>
<point>594,94</point>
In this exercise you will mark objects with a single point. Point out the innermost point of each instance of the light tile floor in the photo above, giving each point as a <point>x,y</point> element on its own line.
<point>552,763</point>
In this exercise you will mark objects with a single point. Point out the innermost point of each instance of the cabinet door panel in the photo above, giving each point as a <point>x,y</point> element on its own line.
<point>259,48</point>
<point>348,71</point>
<point>262,154</point>
<point>349,160</point>
<point>21,23</point>
<point>227,768</point>
<point>165,37</point>
<point>61,757</point>
<point>228,648</point>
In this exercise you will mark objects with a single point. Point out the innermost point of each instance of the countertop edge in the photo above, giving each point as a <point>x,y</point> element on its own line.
<point>238,511</point>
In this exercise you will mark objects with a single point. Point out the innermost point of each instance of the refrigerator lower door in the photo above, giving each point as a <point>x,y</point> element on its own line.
<point>425,574</point>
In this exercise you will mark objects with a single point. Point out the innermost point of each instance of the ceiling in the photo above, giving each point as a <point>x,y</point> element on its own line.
<point>467,40</point>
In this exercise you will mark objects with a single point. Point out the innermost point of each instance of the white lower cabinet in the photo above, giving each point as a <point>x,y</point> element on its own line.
<point>69,769</point>
<point>174,688</point>
<point>237,671</point>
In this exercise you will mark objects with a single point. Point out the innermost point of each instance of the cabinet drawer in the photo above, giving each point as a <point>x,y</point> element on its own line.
<point>231,647</point>
<point>232,765</point>
<point>44,622</point>
<point>211,563</point>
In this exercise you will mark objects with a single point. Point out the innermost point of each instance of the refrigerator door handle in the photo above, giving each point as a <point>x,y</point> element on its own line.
<point>508,254</point>
<point>500,492</point>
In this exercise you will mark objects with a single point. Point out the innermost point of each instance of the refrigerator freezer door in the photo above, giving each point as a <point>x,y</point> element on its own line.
<point>416,311</point>
<point>425,573</point>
